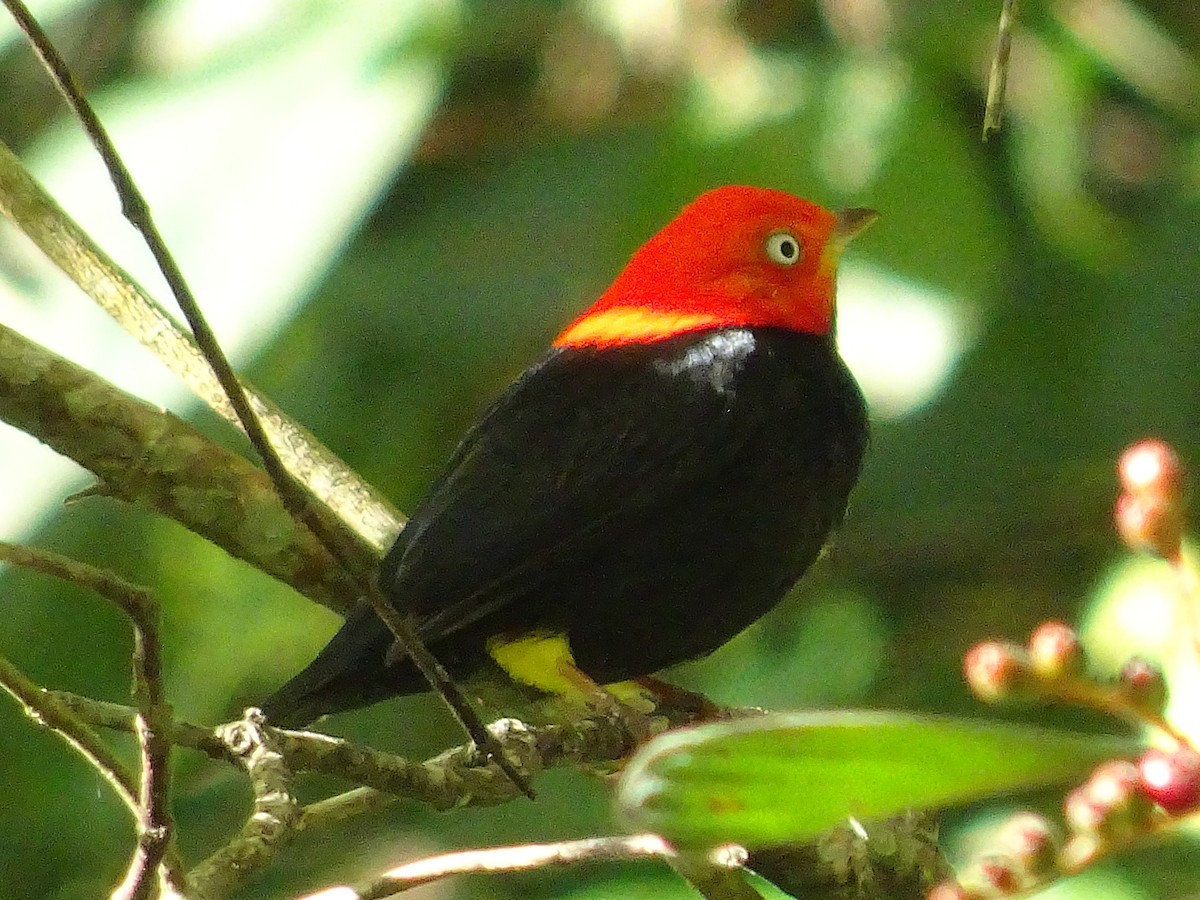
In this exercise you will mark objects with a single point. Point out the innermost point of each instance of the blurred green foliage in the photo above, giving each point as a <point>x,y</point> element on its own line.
<point>1067,250</point>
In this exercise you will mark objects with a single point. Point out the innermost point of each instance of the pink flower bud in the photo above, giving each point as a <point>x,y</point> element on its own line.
<point>1110,805</point>
<point>1030,841</point>
<point>1171,778</point>
<point>951,890</point>
<point>1150,467</point>
<point>1144,685</point>
<point>1000,874</point>
<point>1150,523</point>
<point>996,670</point>
<point>1054,650</point>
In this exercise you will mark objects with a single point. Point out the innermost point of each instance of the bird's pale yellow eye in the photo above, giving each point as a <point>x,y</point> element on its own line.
<point>783,248</point>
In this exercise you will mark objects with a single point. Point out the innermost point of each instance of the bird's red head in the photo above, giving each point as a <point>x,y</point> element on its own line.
<point>735,256</point>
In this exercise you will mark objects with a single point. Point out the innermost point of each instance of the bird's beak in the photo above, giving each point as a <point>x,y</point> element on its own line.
<point>850,223</point>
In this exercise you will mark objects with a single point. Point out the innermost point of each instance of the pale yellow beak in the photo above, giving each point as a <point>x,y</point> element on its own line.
<point>850,223</point>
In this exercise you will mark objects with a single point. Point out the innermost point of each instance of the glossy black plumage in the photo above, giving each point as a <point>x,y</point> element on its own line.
<point>650,500</point>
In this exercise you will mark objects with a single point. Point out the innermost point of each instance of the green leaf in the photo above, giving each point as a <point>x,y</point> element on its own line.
<point>782,778</point>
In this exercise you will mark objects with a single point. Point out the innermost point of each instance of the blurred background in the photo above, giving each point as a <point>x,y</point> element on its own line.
<point>389,207</point>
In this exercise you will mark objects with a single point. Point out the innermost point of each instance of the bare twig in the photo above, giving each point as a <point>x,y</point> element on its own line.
<point>484,739</point>
<point>294,497</point>
<point>45,709</point>
<point>520,858</point>
<point>1188,581</point>
<point>119,717</point>
<point>993,113</point>
<point>153,720</point>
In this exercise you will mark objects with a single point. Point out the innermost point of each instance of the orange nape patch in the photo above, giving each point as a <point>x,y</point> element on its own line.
<point>631,325</point>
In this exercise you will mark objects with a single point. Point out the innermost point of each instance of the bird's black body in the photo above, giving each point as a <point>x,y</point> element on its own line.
<point>648,500</point>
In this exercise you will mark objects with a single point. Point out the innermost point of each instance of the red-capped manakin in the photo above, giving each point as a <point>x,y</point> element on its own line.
<point>651,486</point>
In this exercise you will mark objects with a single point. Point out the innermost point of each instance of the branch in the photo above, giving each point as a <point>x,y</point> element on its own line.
<point>154,716</point>
<point>22,199</point>
<point>298,501</point>
<point>271,823</point>
<point>993,113</point>
<point>151,459</point>
<point>24,202</point>
<point>520,858</point>
<point>891,859</point>
<point>45,709</point>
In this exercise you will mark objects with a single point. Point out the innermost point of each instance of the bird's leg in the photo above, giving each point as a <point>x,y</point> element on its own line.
<point>606,701</point>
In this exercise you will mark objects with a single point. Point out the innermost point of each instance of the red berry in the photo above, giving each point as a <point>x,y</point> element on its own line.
<point>1171,778</point>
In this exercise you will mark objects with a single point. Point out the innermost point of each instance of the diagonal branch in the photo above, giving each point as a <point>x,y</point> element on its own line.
<point>993,112</point>
<point>154,460</point>
<point>24,202</point>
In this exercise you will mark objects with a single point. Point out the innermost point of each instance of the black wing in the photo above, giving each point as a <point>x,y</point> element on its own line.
<point>582,444</point>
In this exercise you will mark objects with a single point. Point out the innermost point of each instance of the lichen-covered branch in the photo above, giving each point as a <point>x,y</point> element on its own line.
<point>273,817</point>
<point>152,459</point>
<point>895,859</point>
<point>316,489</point>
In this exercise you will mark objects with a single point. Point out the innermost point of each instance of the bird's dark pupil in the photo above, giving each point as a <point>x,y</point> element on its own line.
<point>788,249</point>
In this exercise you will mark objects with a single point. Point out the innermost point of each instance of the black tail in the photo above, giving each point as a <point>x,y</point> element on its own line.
<point>351,671</point>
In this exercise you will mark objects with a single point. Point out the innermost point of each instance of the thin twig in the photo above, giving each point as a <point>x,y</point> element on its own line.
<point>1111,699</point>
<point>294,497</point>
<point>119,717</point>
<point>520,858</point>
<point>484,739</point>
<point>45,709</point>
<point>153,720</point>
<point>1188,582</point>
<point>993,113</point>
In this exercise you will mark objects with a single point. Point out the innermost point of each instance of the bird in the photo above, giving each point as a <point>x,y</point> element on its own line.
<point>652,485</point>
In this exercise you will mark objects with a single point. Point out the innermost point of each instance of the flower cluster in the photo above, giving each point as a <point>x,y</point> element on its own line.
<point>1122,800</point>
